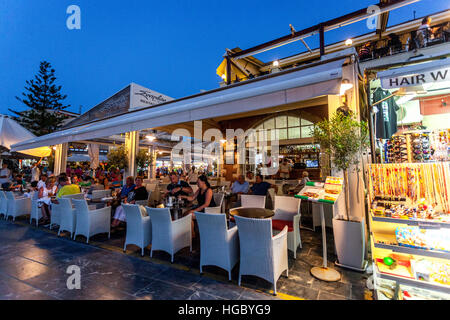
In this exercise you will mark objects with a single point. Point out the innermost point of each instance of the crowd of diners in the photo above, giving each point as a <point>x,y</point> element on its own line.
<point>49,188</point>
<point>424,36</point>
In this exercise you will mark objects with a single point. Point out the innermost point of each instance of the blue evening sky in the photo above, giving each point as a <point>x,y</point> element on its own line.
<point>173,47</point>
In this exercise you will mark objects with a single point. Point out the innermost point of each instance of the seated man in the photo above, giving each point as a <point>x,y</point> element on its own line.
<point>129,186</point>
<point>240,186</point>
<point>65,188</point>
<point>261,187</point>
<point>177,187</point>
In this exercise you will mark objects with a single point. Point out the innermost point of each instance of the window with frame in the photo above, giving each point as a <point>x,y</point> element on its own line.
<point>289,127</point>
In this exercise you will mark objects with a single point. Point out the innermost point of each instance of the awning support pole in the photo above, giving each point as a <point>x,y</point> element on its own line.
<point>322,39</point>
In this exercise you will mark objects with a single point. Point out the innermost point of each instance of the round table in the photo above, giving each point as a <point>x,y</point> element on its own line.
<point>258,213</point>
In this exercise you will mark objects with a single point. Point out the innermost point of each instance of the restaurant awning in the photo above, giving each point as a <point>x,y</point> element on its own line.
<point>12,132</point>
<point>285,87</point>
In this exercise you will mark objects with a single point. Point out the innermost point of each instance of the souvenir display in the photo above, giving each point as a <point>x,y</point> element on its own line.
<point>410,225</point>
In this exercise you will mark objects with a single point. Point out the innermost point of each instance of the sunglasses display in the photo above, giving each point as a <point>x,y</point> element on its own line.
<point>418,146</point>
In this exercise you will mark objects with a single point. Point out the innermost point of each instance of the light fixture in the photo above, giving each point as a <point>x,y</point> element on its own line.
<point>345,85</point>
<point>54,148</point>
<point>348,42</point>
<point>276,64</point>
<point>224,77</point>
<point>150,138</point>
<point>223,141</point>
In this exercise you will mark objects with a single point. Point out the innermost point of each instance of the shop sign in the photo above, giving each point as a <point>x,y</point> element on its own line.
<point>142,97</point>
<point>416,79</point>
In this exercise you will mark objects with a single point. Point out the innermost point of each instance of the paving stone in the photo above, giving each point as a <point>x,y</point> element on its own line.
<point>159,290</point>
<point>329,296</point>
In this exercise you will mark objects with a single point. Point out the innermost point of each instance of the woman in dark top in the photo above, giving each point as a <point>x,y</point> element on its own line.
<point>138,193</point>
<point>204,195</point>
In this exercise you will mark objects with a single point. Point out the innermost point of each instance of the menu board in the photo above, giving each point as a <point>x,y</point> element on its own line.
<point>327,192</point>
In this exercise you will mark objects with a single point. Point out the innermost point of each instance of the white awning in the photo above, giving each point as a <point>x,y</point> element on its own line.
<point>265,92</point>
<point>12,132</point>
<point>421,74</point>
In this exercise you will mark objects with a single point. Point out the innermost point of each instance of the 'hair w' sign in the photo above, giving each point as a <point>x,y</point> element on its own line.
<point>427,74</point>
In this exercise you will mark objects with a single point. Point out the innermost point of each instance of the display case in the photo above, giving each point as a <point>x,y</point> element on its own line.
<point>410,230</point>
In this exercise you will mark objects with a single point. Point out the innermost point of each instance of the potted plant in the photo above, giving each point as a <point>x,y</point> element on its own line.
<point>343,138</point>
<point>118,158</point>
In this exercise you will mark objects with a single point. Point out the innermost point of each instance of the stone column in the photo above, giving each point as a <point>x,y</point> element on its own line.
<point>60,163</point>
<point>132,147</point>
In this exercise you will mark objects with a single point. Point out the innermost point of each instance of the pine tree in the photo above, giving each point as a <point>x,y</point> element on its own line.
<point>44,99</point>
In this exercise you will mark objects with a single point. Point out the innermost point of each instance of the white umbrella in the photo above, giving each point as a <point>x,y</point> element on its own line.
<point>11,132</point>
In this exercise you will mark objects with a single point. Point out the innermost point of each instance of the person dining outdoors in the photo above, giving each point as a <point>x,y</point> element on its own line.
<point>240,186</point>
<point>5,176</point>
<point>425,33</point>
<point>137,193</point>
<point>66,188</point>
<point>103,180</point>
<point>204,197</point>
<point>261,187</point>
<point>127,188</point>
<point>44,199</point>
<point>177,187</point>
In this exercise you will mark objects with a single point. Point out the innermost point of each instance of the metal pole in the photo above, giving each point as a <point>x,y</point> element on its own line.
<point>371,125</point>
<point>324,236</point>
<point>228,69</point>
<point>322,39</point>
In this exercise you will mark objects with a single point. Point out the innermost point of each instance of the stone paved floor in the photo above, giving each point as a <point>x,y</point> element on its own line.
<point>33,263</point>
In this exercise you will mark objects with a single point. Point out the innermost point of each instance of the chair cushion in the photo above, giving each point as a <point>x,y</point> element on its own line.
<point>279,225</point>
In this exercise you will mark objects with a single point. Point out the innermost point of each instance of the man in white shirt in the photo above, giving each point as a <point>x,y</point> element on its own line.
<point>284,169</point>
<point>42,181</point>
<point>35,172</point>
<point>5,176</point>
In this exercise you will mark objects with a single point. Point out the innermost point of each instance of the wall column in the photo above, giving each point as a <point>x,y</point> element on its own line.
<point>132,147</point>
<point>60,163</point>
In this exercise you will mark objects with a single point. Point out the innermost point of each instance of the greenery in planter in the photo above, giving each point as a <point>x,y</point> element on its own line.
<point>118,157</point>
<point>343,138</point>
<point>144,158</point>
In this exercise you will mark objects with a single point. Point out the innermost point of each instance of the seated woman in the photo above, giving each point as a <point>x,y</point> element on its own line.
<point>117,181</point>
<point>139,192</point>
<point>44,199</point>
<point>204,196</point>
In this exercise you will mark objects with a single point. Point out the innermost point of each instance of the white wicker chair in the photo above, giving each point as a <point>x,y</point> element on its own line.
<point>287,213</point>
<point>262,255</point>
<point>68,218</point>
<point>55,216</point>
<point>36,212</point>
<point>252,201</point>
<point>151,187</point>
<point>91,222</point>
<point>78,196</point>
<point>218,199</point>
<point>219,246</point>
<point>3,204</point>
<point>271,194</point>
<point>16,207</point>
<point>139,228</point>
<point>167,235</point>
<point>98,194</point>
